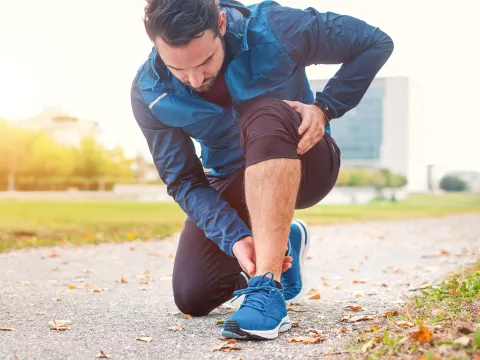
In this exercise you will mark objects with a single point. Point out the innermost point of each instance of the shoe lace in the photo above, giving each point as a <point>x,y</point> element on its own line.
<point>256,297</point>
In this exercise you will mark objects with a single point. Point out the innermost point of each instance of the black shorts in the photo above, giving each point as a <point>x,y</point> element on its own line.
<point>204,276</point>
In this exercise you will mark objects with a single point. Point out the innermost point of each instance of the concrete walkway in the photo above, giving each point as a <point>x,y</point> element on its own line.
<point>374,265</point>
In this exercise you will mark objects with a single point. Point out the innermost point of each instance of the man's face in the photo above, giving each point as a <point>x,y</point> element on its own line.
<point>198,63</point>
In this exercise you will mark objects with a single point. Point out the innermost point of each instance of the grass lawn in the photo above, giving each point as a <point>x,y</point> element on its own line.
<point>42,223</point>
<point>442,323</point>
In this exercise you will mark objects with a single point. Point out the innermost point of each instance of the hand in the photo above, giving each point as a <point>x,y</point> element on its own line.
<point>312,128</point>
<point>244,251</point>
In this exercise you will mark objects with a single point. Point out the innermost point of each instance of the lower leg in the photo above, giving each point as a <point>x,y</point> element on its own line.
<point>271,188</point>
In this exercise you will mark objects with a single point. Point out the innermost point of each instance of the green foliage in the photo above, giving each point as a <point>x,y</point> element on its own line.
<point>381,178</point>
<point>37,162</point>
<point>453,183</point>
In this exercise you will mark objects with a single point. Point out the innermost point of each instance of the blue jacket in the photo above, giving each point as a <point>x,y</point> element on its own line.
<point>268,47</point>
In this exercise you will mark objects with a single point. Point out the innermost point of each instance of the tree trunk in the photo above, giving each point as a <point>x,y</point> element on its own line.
<point>11,180</point>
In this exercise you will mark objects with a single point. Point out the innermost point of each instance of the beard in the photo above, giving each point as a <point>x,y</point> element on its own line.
<point>208,82</point>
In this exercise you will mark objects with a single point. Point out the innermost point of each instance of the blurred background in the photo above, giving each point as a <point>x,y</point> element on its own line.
<point>67,130</point>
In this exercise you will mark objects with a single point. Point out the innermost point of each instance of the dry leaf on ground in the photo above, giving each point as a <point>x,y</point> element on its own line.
<point>336,287</point>
<point>220,322</point>
<point>57,299</point>
<point>390,313</point>
<point>7,329</point>
<point>423,335</point>
<point>343,330</point>
<point>227,346</point>
<point>72,287</point>
<point>60,325</point>
<point>305,339</point>
<point>382,285</point>
<point>325,283</point>
<point>464,341</point>
<point>187,316</point>
<point>356,318</point>
<point>123,281</point>
<point>314,297</point>
<point>171,256</point>
<point>353,307</point>
<point>145,339</point>
<point>176,328</point>
<point>102,355</point>
<point>359,281</point>
<point>314,332</point>
<point>15,356</point>
<point>312,291</point>
<point>444,252</point>
<point>144,282</point>
<point>405,324</point>
<point>291,308</point>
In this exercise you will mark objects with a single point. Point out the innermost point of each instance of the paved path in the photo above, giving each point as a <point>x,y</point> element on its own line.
<point>401,255</point>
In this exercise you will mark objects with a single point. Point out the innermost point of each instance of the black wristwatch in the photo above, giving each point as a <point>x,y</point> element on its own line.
<point>325,109</point>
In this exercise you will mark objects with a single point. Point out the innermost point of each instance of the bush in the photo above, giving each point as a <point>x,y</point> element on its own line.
<point>453,183</point>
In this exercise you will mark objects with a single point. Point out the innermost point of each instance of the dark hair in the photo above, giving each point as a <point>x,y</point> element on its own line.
<point>180,21</point>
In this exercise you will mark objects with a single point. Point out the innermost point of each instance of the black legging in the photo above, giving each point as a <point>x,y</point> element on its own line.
<point>203,275</point>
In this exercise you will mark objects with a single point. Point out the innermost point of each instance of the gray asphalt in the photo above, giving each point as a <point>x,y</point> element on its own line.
<point>401,255</point>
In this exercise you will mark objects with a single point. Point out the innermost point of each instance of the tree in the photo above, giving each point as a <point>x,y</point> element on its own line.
<point>453,183</point>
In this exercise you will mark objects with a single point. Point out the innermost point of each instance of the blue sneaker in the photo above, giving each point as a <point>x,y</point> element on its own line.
<point>293,279</point>
<point>263,313</point>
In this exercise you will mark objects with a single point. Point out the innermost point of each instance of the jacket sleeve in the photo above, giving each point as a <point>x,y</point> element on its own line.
<point>311,37</point>
<point>180,169</point>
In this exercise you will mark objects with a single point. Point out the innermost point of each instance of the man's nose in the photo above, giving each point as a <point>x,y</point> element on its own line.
<point>196,79</point>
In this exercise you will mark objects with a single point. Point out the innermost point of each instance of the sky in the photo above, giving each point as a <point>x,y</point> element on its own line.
<point>83,56</point>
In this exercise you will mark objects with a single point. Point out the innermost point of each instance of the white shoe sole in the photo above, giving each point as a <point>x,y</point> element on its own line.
<point>244,334</point>
<point>303,254</point>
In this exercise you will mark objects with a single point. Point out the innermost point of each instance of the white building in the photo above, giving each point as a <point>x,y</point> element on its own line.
<point>64,128</point>
<point>385,130</point>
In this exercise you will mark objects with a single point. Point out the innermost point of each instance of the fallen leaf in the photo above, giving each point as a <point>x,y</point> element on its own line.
<point>172,313</point>
<point>305,339</point>
<point>132,249</point>
<point>53,255</point>
<point>176,328</point>
<point>131,236</point>
<point>97,290</point>
<point>295,323</point>
<point>144,282</point>
<point>423,335</point>
<point>398,271</point>
<point>368,346</point>
<point>145,339</point>
<point>390,313</point>
<point>220,322</point>
<point>463,341</point>
<point>312,291</point>
<point>7,329</point>
<point>336,287</point>
<point>372,329</point>
<point>381,237</point>
<point>226,346</point>
<point>453,292</point>
<point>15,356</point>
<point>356,318</point>
<point>359,281</point>
<point>123,281</point>
<point>72,287</point>
<point>382,285</point>
<point>314,297</point>
<point>424,283</point>
<point>405,324</point>
<point>57,299</point>
<point>314,332</point>
<point>55,269</point>
<point>187,316</point>
<point>343,330</point>
<point>353,269</point>
<point>102,355</point>
<point>171,256</point>
<point>464,330</point>
<point>89,287</point>
<point>353,307</point>
<point>325,283</point>
<point>291,308</point>
<point>444,252</point>
<point>146,271</point>
<point>60,325</point>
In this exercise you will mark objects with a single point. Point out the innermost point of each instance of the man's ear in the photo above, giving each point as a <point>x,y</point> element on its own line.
<point>222,23</point>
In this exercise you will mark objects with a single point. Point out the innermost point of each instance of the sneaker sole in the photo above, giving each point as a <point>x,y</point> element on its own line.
<point>303,253</point>
<point>233,331</point>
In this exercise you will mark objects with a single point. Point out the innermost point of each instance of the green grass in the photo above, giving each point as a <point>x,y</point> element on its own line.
<point>414,206</point>
<point>43,223</point>
<point>446,313</point>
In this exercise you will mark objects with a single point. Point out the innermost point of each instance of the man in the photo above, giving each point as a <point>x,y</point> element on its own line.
<point>233,78</point>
